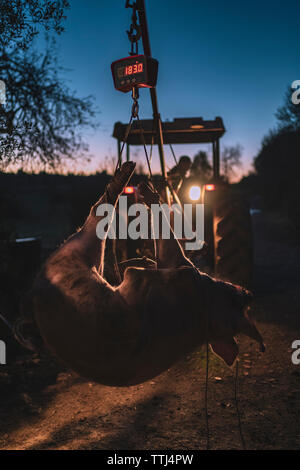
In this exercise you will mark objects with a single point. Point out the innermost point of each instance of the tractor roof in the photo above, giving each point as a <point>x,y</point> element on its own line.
<point>179,131</point>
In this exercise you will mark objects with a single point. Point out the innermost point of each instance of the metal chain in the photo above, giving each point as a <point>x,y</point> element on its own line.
<point>134,33</point>
<point>124,142</point>
<point>134,114</point>
<point>133,38</point>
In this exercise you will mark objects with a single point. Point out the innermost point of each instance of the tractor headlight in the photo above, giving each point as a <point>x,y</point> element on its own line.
<point>195,193</point>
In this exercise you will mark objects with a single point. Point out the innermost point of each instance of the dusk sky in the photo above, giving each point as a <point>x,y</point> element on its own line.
<point>228,59</point>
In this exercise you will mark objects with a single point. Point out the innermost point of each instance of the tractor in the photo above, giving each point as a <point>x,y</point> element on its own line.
<point>227,252</point>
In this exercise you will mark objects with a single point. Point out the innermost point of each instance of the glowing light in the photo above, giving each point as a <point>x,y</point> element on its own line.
<point>135,68</point>
<point>210,187</point>
<point>195,193</point>
<point>196,126</point>
<point>129,190</point>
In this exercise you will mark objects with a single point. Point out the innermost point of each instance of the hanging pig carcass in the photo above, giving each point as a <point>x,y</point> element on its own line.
<point>125,335</point>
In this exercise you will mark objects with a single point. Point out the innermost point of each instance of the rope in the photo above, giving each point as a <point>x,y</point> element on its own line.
<point>7,323</point>
<point>236,400</point>
<point>206,377</point>
<point>206,396</point>
<point>145,149</point>
<point>150,178</point>
<point>115,258</point>
<point>128,128</point>
<point>152,142</point>
<point>173,153</point>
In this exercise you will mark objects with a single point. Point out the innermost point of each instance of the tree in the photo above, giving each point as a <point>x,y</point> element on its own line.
<point>278,166</point>
<point>42,118</point>
<point>230,160</point>
<point>288,114</point>
<point>201,166</point>
<point>19,20</point>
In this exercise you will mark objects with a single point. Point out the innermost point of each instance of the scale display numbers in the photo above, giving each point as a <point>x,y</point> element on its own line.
<point>134,71</point>
<point>130,70</point>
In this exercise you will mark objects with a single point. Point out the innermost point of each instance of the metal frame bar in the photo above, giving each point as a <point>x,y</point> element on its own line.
<point>156,116</point>
<point>216,158</point>
<point>119,153</point>
<point>127,152</point>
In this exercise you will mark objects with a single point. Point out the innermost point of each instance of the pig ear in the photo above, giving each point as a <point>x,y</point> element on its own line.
<point>226,350</point>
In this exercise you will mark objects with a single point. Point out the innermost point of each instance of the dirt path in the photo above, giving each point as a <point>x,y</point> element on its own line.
<point>44,407</point>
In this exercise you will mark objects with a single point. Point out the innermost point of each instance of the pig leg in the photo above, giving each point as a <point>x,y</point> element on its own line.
<point>70,264</point>
<point>85,241</point>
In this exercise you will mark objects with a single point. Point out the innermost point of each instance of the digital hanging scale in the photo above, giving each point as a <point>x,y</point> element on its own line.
<point>137,71</point>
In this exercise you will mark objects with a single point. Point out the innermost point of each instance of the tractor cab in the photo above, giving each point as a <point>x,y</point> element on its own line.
<point>179,131</point>
<point>228,251</point>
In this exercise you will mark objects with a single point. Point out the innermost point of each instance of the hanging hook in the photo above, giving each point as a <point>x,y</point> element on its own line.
<point>134,33</point>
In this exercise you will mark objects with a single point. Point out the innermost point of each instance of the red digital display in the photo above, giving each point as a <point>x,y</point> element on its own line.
<point>138,71</point>
<point>136,68</point>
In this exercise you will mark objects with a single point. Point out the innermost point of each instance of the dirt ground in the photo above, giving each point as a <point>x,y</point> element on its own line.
<point>43,406</point>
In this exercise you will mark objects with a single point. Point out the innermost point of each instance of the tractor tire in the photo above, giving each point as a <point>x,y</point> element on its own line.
<point>233,239</point>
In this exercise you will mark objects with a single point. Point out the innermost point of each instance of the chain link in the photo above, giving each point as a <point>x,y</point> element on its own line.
<point>134,115</point>
<point>135,32</point>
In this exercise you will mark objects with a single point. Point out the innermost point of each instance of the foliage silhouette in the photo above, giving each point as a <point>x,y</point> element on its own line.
<point>20,19</point>
<point>42,118</point>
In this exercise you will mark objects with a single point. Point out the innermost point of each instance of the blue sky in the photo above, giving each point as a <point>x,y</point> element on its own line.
<point>228,59</point>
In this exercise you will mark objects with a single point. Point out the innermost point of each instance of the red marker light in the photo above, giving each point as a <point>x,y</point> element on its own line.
<point>210,187</point>
<point>129,190</point>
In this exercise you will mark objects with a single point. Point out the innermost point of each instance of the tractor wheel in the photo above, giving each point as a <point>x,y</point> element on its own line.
<point>233,244</point>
